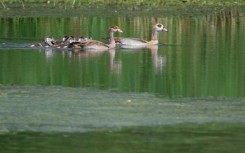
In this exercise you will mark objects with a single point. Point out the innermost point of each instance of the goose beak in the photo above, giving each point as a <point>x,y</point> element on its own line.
<point>119,30</point>
<point>165,29</point>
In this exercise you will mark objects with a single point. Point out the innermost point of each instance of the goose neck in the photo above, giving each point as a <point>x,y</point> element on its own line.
<point>154,34</point>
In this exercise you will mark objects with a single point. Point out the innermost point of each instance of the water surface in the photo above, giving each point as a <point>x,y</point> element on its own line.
<point>200,56</point>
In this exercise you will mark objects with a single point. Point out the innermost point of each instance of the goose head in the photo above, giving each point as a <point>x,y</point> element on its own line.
<point>115,29</point>
<point>160,27</point>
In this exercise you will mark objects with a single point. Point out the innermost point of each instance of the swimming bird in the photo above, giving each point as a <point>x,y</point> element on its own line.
<point>136,42</point>
<point>97,45</point>
<point>48,42</point>
<point>65,42</point>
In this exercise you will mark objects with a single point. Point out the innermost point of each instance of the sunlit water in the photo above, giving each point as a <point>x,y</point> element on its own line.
<point>185,95</point>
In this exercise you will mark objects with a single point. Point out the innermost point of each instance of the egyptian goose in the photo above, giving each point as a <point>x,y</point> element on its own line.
<point>97,45</point>
<point>136,42</point>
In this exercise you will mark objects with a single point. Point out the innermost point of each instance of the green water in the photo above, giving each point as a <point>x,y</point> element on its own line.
<point>186,95</point>
<point>63,119</point>
<point>169,139</point>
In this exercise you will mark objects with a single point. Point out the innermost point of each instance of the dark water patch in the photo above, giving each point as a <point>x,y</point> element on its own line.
<point>185,138</point>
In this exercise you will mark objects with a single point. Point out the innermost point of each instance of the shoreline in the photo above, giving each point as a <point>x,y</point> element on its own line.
<point>40,10</point>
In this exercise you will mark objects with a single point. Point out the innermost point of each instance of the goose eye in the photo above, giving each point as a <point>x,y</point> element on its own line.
<point>159,25</point>
<point>114,27</point>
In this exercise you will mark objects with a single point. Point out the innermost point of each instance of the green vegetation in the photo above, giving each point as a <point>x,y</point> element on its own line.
<point>121,7</point>
<point>136,3</point>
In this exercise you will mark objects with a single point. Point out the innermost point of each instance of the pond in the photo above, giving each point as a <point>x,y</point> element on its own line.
<point>184,95</point>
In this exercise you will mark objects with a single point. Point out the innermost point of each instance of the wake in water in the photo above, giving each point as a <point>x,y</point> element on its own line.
<point>16,43</point>
<point>9,45</point>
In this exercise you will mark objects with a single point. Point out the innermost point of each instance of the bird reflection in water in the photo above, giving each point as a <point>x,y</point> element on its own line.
<point>159,61</point>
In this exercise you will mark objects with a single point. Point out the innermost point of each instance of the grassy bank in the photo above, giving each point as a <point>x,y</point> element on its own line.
<point>136,3</point>
<point>9,8</point>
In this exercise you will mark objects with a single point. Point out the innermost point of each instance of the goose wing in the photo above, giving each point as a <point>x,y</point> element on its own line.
<point>92,44</point>
<point>133,41</point>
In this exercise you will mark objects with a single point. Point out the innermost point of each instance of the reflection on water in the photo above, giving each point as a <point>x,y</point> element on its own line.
<point>115,66</point>
<point>159,61</point>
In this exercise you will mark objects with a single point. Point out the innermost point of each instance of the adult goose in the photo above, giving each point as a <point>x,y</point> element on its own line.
<point>97,45</point>
<point>137,42</point>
